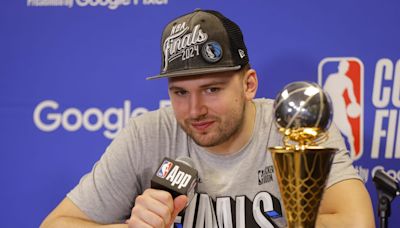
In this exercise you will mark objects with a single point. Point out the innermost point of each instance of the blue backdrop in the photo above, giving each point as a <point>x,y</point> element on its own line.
<point>73,71</point>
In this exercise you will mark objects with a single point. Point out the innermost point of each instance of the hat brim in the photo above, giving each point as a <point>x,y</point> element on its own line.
<point>193,72</point>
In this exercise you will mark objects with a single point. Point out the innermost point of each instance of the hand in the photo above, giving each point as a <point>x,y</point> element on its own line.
<point>156,209</point>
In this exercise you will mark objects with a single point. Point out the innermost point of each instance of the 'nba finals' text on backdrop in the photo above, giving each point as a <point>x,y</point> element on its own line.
<point>386,99</point>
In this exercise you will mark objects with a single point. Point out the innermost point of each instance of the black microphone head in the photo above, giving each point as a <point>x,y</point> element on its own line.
<point>178,177</point>
<point>386,183</point>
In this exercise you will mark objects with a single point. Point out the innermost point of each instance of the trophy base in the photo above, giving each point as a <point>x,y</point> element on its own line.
<point>302,175</point>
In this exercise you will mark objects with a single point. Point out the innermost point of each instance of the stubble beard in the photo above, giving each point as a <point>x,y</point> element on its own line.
<point>227,128</point>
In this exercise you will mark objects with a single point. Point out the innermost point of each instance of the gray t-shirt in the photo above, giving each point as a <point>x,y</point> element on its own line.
<point>239,188</point>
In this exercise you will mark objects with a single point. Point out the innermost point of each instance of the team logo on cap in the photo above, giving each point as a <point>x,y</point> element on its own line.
<point>212,51</point>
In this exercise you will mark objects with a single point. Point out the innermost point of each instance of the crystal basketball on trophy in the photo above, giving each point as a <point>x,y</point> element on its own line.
<point>303,114</point>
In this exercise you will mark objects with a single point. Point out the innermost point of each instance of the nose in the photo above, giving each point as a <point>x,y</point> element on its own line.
<point>197,107</point>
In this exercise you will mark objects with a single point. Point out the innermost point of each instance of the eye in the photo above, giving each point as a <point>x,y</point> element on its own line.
<point>180,92</point>
<point>213,90</point>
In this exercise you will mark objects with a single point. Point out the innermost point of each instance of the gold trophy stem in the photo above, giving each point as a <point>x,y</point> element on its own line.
<point>302,173</point>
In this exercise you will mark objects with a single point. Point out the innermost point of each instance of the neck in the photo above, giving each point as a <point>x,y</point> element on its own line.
<point>242,137</point>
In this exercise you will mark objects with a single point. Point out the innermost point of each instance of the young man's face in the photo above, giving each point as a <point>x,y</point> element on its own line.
<point>209,108</point>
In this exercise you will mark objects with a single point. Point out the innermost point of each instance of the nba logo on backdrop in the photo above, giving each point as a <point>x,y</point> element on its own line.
<point>164,169</point>
<point>343,79</point>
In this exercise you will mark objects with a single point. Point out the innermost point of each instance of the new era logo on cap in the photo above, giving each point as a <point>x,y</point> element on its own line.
<point>241,53</point>
<point>201,42</point>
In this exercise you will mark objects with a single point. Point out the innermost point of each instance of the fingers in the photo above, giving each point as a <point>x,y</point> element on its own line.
<point>158,202</point>
<point>142,217</point>
<point>154,208</point>
<point>179,205</point>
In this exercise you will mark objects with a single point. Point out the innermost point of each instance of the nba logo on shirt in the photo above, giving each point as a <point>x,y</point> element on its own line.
<point>343,79</point>
<point>164,169</point>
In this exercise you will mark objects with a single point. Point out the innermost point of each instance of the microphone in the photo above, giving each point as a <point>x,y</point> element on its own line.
<point>386,183</point>
<point>387,189</point>
<point>177,177</point>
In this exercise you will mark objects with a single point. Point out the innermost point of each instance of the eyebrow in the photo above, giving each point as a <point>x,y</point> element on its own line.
<point>212,83</point>
<point>175,88</point>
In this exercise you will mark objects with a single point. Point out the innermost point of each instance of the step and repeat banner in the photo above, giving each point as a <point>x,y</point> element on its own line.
<point>72,72</point>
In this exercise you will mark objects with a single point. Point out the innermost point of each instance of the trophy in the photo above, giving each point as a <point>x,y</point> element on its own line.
<point>303,113</point>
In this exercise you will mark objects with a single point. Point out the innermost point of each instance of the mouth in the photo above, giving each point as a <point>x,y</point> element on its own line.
<point>202,125</point>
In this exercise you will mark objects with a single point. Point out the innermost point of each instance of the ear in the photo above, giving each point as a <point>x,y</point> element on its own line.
<point>250,82</point>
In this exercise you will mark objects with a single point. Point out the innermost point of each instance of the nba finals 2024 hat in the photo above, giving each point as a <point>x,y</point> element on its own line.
<point>201,42</point>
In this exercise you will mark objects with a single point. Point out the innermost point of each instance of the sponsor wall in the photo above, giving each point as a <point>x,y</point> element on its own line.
<point>73,71</point>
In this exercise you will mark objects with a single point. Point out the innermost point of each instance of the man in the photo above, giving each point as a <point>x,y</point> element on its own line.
<point>215,121</point>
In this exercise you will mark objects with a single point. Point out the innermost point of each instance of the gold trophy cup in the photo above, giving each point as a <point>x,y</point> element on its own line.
<point>303,113</point>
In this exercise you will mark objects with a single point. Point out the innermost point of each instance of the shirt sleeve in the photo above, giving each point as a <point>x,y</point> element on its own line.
<point>106,194</point>
<point>342,165</point>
